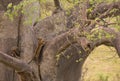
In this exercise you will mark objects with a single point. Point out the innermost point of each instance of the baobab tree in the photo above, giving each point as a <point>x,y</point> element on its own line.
<point>56,47</point>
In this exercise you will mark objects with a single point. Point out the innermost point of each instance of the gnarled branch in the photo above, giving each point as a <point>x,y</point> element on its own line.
<point>24,70</point>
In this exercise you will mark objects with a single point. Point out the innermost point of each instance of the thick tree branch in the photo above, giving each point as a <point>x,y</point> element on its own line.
<point>23,69</point>
<point>26,32</point>
<point>13,62</point>
<point>75,36</point>
<point>63,41</point>
<point>55,47</point>
<point>109,41</point>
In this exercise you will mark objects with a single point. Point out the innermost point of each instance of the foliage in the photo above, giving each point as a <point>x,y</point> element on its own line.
<point>98,34</point>
<point>47,7</point>
<point>14,10</point>
<point>103,77</point>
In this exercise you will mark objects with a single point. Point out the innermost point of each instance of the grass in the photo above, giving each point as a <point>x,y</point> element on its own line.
<point>103,64</point>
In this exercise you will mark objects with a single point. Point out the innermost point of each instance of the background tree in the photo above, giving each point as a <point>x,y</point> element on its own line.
<point>53,48</point>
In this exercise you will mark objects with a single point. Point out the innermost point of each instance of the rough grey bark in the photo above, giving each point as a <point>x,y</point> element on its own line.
<point>51,26</point>
<point>65,49</point>
<point>28,41</point>
<point>8,40</point>
<point>18,34</point>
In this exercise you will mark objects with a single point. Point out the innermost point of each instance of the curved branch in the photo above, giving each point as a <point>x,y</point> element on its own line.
<point>24,70</point>
<point>63,41</point>
<point>54,48</point>
<point>13,62</point>
<point>109,41</point>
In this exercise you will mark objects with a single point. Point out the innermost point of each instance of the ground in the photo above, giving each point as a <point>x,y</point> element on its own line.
<point>103,64</point>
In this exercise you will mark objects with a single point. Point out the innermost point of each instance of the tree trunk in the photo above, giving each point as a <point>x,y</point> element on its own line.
<point>66,46</point>
<point>16,34</point>
<point>8,40</point>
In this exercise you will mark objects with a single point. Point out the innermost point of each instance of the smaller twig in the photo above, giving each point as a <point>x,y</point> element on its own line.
<point>104,14</point>
<point>92,25</point>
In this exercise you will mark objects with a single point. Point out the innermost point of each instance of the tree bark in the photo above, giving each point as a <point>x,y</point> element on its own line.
<point>65,50</point>
<point>8,40</point>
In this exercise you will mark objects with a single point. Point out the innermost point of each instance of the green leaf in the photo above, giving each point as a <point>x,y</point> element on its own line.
<point>9,5</point>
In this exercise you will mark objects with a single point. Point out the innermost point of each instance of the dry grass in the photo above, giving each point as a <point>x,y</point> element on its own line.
<point>103,64</point>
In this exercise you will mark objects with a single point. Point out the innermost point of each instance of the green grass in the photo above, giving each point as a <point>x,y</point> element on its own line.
<point>103,64</point>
